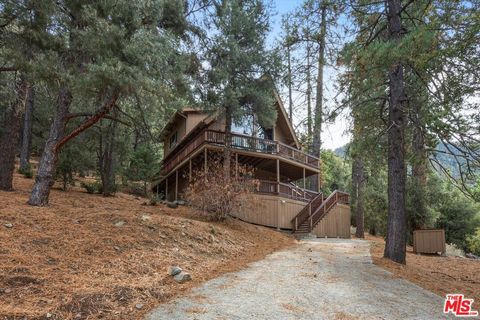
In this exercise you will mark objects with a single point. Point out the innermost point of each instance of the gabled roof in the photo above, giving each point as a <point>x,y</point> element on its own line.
<point>180,114</point>
<point>283,114</point>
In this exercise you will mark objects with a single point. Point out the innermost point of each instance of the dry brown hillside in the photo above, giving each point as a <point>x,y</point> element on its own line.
<point>89,257</point>
<point>438,274</point>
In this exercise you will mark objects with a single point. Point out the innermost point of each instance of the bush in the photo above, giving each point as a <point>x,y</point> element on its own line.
<point>473,242</point>
<point>26,172</point>
<point>154,199</point>
<point>216,197</point>
<point>92,187</point>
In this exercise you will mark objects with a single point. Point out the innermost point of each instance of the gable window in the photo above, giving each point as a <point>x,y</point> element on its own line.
<point>173,139</point>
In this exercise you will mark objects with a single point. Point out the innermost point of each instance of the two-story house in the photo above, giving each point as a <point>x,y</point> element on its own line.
<point>282,199</point>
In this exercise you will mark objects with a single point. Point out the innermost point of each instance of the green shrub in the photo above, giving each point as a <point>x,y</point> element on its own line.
<point>26,172</point>
<point>154,199</point>
<point>473,242</point>
<point>91,187</point>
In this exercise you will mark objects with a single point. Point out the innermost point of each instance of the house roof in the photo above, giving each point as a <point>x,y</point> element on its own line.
<point>183,114</point>
<point>180,114</point>
<point>286,119</point>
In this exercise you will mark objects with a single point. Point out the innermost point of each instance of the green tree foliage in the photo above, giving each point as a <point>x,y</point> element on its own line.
<point>335,173</point>
<point>143,165</point>
<point>458,215</point>
<point>473,242</point>
<point>240,68</point>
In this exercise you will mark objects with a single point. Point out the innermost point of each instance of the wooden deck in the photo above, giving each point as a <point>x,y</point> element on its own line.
<point>238,142</point>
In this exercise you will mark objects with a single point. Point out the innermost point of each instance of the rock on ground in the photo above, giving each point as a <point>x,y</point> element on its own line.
<point>174,270</point>
<point>317,279</point>
<point>182,277</point>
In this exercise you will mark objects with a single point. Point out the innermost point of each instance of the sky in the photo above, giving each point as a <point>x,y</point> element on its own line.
<point>334,135</point>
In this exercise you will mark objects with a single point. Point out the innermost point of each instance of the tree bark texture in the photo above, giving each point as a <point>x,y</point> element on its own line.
<point>290,94</point>
<point>10,136</point>
<point>395,245</point>
<point>27,130</point>
<point>359,182</point>
<point>227,149</point>
<point>56,140</point>
<point>107,169</point>
<point>47,166</point>
<point>318,117</point>
<point>419,218</point>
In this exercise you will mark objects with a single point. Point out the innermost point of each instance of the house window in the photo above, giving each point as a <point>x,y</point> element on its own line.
<point>173,139</point>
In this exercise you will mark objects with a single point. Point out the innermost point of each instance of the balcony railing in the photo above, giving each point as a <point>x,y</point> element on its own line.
<point>254,144</point>
<point>241,142</point>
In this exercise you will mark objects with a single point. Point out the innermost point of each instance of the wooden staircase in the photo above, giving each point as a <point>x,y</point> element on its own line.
<point>316,210</point>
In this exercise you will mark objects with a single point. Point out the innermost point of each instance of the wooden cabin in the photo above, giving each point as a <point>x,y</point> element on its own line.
<point>283,199</point>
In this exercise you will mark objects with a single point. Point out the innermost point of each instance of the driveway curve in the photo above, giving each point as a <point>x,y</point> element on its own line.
<point>316,279</point>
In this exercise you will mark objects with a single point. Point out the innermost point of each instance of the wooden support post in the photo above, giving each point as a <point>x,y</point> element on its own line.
<point>176,185</point>
<point>236,165</point>
<point>205,153</point>
<point>190,170</point>
<point>278,176</point>
<point>304,181</point>
<point>166,188</point>
<point>319,181</point>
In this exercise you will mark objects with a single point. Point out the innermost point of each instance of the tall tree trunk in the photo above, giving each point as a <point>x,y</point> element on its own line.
<point>419,172</point>
<point>317,126</point>
<point>290,98</point>
<point>309,96</point>
<point>9,139</point>
<point>359,181</point>
<point>44,179</point>
<point>227,149</point>
<point>57,139</point>
<point>395,245</point>
<point>27,130</point>
<point>107,169</point>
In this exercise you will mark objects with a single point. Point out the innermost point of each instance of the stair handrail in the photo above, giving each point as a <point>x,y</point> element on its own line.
<point>306,212</point>
<point>333,199</point>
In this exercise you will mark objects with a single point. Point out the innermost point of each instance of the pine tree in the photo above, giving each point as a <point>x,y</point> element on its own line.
<point>115,50</point>
<point>241,69</point>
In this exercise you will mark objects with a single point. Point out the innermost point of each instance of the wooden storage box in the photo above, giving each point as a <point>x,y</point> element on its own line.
<point>429,241</point>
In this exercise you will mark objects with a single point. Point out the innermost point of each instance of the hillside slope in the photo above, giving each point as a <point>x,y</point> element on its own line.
<point>86,256</point>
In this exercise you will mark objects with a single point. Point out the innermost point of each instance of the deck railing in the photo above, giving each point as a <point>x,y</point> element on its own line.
<point>285,190</point>
<point>241,142</point>
<point>254,144</point>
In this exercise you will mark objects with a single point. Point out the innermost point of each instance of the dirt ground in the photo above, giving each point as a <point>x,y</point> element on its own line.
<point>90,257</point>
<point>317,279</point>
<point>438,274</point>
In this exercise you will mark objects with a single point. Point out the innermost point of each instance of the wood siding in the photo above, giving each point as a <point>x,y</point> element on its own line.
<point>270,211</point>
<point>336,224</point>
<point>429,241</point>
<point>193,119</point>
<point>181,129</point>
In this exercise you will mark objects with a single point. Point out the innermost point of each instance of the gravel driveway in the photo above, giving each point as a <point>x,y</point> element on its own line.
<point>317,279</point>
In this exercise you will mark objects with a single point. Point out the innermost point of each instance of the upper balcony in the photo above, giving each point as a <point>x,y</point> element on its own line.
<point>239,142</point>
